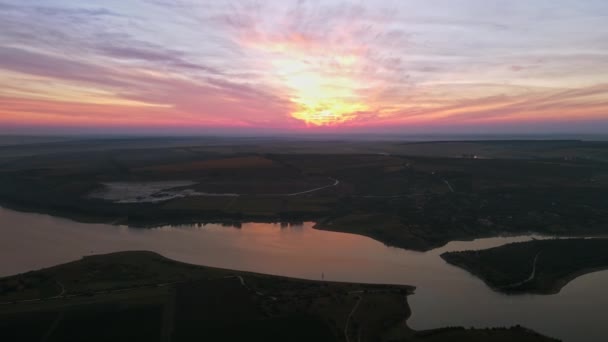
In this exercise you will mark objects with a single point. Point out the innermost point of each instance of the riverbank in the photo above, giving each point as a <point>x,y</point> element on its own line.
<point>538,266</point>
<point>413,202</point>
<point>443,297</point>
<point>129,291</point>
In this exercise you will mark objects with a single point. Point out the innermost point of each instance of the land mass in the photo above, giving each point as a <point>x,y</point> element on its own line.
<point>142,296</point>
<point>412,195</point>
<point>538,266</point>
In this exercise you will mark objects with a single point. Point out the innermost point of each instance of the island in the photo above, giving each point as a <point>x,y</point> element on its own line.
<point>537,266</point>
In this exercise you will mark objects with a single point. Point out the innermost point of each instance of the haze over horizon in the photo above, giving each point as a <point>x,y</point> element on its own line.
<point>303,67</point>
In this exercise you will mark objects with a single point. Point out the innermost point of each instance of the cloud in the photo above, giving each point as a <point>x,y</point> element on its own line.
<point>552,104</point>
<point>76,12</point>
<point>208,99</point>
<point>59,11</point>
<point>257,63</point>
<point>33,63</point>
<point>147,53</point>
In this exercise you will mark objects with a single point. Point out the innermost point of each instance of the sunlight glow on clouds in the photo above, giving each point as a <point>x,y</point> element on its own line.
<point>303,65</point>
<point>321,87</point>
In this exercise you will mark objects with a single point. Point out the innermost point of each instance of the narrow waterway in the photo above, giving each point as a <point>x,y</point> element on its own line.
<point>445,295</point>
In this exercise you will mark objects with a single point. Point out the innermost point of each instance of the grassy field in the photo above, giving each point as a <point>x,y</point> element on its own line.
<point>411,195</point>
<point>141,296</point>
<point>539,266</point>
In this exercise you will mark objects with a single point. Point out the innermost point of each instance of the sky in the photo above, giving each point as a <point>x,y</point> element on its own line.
<point>197,66</point>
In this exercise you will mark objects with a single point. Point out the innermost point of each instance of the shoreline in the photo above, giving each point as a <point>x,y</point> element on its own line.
<point>320,223</point>
<point>556,288</point>
<point>85,294</point>
<point>546,286</point>
<point>411,288</point>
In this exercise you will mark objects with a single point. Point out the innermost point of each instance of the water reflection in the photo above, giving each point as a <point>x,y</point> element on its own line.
<point>233,224</point>
<point>445,296</point>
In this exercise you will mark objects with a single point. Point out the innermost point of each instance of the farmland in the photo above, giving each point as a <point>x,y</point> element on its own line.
<point>411,195</point>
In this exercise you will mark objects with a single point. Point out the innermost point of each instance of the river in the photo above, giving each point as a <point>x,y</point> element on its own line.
<point>445,295</point>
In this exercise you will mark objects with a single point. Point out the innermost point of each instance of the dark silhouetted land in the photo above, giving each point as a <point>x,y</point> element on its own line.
<point>411,195</point>
<point>141,296</point>
<point>539,266</point>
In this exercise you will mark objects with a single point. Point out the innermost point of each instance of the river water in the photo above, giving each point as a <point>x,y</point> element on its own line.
<point>445,295</point>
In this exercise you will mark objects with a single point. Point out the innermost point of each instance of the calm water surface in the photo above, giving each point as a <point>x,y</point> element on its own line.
<point>445,295</point>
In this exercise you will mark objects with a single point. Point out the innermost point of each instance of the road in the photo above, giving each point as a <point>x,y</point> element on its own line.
<point>244,284</point>
<point>449,185</point>
<point>168,318</point>
<point>387,196</point>
<point>336,182</point>
<point>350,315</point>
<point>64,295</point>
<point>53,326</point>
<point>530,278</point>
<point>63,292</point>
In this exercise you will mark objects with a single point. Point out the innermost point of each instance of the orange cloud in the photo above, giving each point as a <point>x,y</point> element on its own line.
<point>302,65</point>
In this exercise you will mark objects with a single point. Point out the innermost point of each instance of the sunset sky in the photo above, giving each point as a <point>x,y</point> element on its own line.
<point>197,66</point>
